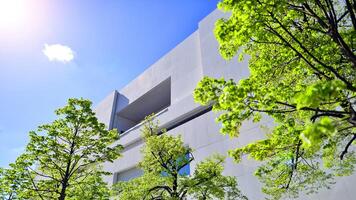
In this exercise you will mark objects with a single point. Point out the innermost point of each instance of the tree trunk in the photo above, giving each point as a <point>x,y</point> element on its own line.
<point>62,196</point>
<point>175,194</point>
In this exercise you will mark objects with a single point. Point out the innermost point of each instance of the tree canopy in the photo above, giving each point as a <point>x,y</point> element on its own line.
<point>164,158</point>
<point>62,159</point>
<point>302,66</point>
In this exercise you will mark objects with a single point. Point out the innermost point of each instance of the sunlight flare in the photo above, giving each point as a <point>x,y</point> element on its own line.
<point>13,14</point>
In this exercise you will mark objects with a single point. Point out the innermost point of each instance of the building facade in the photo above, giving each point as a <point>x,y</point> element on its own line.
<point>165,89</point>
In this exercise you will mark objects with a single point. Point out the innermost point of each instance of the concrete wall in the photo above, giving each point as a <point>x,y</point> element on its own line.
<point>106,109</point>
<point>195,57</point>
<point>213,64</point>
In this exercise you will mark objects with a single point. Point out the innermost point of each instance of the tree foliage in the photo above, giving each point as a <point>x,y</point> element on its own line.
<point>62,159</point>
<point>164,157</point>
<point>302,66</point>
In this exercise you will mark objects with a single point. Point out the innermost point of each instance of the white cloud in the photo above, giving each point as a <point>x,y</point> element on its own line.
<point>58,52</point>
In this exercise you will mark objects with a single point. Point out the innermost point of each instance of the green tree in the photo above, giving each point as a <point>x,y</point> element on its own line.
<point>164,156</point>
<point>62,159</point>
<point>92,187</point>
<point>302,66</point>
<point>13,181</point>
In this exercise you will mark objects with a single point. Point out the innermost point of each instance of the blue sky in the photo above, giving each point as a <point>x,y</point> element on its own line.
<point>113,42</point>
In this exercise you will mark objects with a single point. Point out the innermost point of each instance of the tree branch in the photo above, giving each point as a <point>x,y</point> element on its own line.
<point>344,152</point>
<point>351,9</point>
<point>294,164</point>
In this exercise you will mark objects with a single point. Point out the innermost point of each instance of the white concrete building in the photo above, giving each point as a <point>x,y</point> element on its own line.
<point>166,88</point>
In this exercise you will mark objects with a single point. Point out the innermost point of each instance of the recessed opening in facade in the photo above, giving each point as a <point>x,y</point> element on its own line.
<point>154,101</point>
<point>128,174</point>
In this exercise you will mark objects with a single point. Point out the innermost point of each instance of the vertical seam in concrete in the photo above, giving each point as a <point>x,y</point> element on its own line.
<point>200,54</point>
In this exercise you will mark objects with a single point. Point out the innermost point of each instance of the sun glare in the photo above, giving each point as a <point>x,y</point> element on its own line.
<point>12,14</point>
